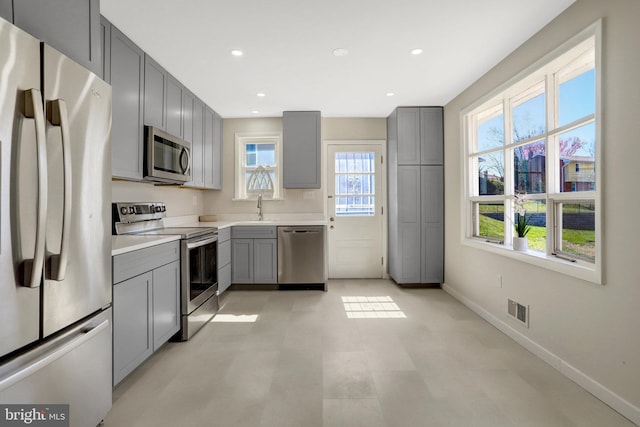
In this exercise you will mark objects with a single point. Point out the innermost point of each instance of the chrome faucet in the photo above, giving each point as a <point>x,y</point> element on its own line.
<point>260,207</point>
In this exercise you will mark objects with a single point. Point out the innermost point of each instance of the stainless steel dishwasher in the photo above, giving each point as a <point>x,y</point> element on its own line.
<point>301,255</point>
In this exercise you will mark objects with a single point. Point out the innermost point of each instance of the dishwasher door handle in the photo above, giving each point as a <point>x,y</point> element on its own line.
<point>302,231</point>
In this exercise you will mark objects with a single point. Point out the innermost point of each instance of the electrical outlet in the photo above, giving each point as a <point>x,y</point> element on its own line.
<point>499,282</point>
<point>308,195</point>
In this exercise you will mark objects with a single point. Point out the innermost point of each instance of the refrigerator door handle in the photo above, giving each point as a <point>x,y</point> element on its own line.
<point>57,115</point>
<point>32,268</point>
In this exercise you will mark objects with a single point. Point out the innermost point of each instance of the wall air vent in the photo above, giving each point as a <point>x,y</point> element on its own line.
<point>518,311</point>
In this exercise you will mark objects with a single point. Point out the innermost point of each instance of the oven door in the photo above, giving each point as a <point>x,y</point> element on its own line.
<point>199,272</point>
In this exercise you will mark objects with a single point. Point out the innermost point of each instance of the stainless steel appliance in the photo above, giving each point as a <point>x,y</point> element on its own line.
<point>167,158</point>
<point>55,254</point>
<point>301,255</point>
<point>198,258</point>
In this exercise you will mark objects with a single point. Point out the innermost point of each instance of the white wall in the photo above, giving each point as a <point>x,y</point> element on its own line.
<point>592,328</point>
<point>221,202</point>
<point>179,201</point>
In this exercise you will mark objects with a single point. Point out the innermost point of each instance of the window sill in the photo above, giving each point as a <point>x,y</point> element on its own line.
<point>255,199</point>
<point>579,270</point>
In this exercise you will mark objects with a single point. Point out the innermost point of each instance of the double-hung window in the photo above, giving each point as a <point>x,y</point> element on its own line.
<point>258,171</point>
<point>537,138</point>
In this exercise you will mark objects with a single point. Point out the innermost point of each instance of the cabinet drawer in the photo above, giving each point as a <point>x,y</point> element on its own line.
<point>224,253</point>
<point>224,234</point>
<point>137,262</point>
<point>254,232</point>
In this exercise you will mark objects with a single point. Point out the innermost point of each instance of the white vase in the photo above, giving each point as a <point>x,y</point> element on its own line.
<point>520,244</point>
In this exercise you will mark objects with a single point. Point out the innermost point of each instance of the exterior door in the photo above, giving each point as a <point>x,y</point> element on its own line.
<point>355,202</point>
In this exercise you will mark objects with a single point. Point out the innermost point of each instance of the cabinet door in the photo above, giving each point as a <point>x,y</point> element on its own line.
<point>301,149</point>
<point>197,145</point>
<point>431,135</point>
<point>432,213</point>
<point>242,261</point>
<point>105,44</point>
<point>70,26</point>
<point>188,100</point>
<point>132,327</point>
<point>408,125</point>
<point>224,278</point>
<point>409,222</point>
<point>127,81</point>
<point>209,147</point>
<point>217,152</point>
<point>6,10</point>
<point>265,261</point>
<point>155,94</point>
<point>174,107</point>
<point>166,303</point>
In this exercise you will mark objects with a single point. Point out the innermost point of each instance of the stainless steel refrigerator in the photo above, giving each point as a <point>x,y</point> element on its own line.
<point>55,227</point>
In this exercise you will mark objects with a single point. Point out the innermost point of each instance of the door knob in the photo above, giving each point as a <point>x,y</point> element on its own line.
<point>332,219</point>
<point>331,227</point>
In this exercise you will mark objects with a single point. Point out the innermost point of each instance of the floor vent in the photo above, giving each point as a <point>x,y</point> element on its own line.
<point>518,311</point>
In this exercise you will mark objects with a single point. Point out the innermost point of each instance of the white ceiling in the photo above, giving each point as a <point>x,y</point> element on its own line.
<point>288,48</point>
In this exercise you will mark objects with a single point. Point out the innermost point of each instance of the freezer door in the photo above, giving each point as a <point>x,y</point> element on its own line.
<point>77,276</point>
<point>20,173</point>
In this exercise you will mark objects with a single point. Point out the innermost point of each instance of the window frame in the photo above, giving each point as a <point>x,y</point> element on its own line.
<point>242,139</point>
<point>502,101</point>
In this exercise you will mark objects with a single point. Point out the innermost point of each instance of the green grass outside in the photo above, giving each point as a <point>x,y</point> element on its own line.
<point>578,242</point>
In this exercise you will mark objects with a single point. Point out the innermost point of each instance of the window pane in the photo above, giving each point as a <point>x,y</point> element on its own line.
<point>577,97</point>
<point>266,155</point>
<point>490,221</point>
<point>491,173</point>
<point>536,211</point>
<point>577,159</point>
<point>491,133</point>
<point>355,162</point>
<point>578,230</point>
<point>529,119</point>
<point>529,168</point>
<point>354,184</point>
<point>355,205</point>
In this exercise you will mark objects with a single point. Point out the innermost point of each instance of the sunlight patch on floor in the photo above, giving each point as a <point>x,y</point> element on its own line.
<point>376,307</point>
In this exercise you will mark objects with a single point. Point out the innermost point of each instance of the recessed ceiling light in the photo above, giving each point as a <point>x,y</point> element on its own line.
<point>261,94</point>
<point>340,52</point>
<point>390,93</point>
<point>237,52</point>
<point>416,51</point>
<point>255,112</point>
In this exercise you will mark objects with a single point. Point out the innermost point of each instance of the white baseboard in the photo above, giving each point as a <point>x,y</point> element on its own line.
<point>618,403</point>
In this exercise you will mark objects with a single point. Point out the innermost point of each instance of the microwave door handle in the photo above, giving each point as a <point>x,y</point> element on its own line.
<point>58,116</point>
<point>185,152</point>
<point>33,267</point>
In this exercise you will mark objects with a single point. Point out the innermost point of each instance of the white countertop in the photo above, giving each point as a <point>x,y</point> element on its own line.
<point>127,243</point>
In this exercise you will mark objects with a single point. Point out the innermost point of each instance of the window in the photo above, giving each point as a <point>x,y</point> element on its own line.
<point>355,184</point>
<point>258,160</point>
<point>538,136</point>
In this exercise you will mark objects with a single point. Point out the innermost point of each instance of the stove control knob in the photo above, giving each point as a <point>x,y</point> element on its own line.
<point>124,210</point>
<point>132,210</point>
<point>158,208</point>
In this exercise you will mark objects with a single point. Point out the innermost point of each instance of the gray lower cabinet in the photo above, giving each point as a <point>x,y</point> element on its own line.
<point>254,255</point>
<point>146,310</point>
<point>126,76</point>
<point>416,195</point>
<point>224,259</point>
<point>301,144</point>
<point>70,26</point>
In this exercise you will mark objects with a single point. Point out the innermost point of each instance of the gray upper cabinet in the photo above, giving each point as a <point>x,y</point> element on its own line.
<point>419,136</point>
<point>196,117</point>
<point>174,107</point>
<point>126,74</point>
<point>105,44</point>
<point>70,26</point>
<point>6,10</point>
<point>431,136</point>
<point>416,195</point>
<point>212,150</point>
<point>301,142</point>
<point>155,94</point>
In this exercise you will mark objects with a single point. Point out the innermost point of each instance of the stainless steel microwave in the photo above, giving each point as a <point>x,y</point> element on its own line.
<point>167,158</point>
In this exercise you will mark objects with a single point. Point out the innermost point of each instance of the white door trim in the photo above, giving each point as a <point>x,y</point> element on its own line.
<point>383,144</point>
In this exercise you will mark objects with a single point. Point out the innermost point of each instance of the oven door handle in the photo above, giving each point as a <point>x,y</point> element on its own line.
<point>198,243</point>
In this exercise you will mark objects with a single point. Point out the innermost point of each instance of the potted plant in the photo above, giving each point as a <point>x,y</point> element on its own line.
<point>521,223</point>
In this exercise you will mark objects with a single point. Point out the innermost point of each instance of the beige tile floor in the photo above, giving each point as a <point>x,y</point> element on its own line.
<point>304,363</point>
